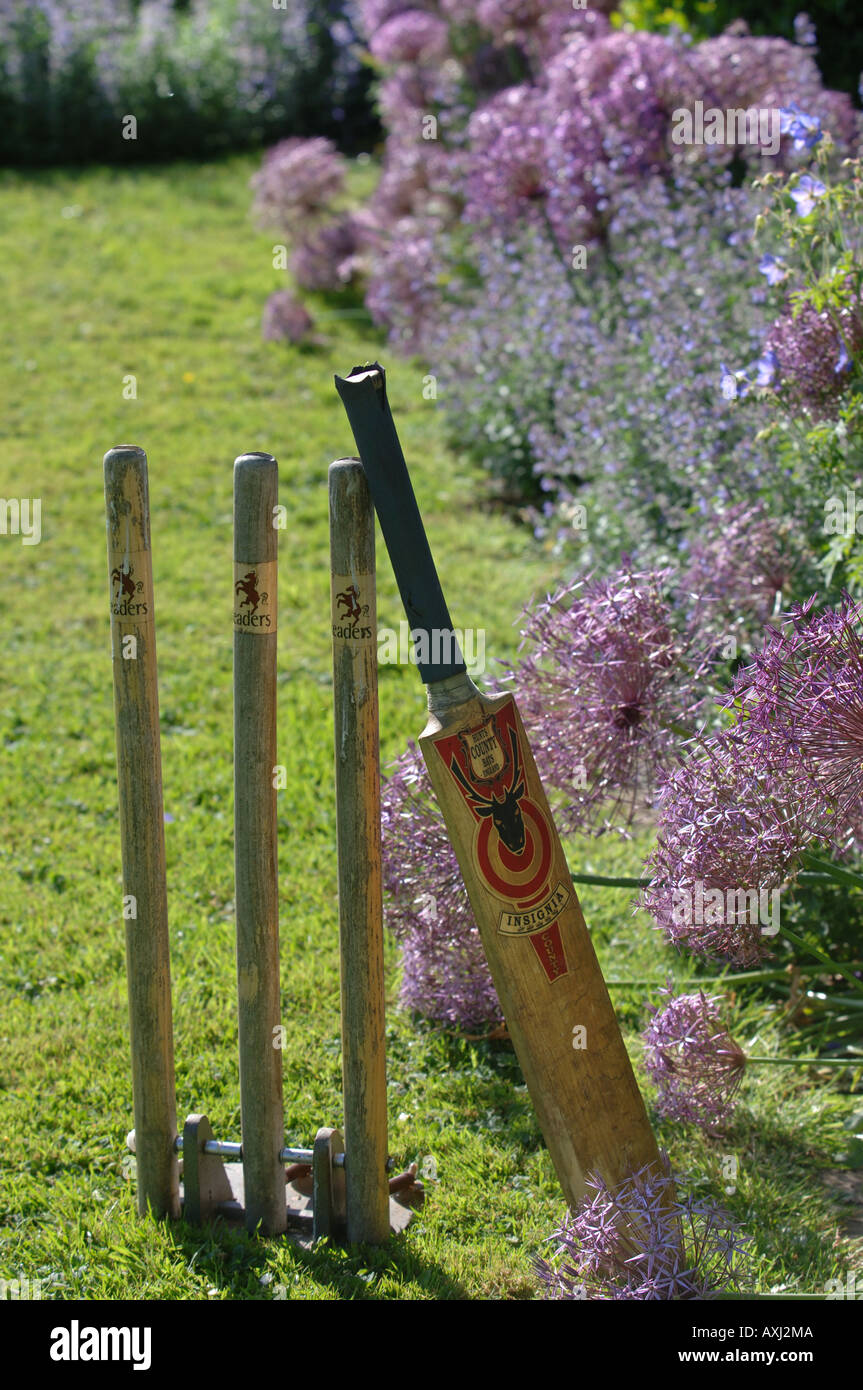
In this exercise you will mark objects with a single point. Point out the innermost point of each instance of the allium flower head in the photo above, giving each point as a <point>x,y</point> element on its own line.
<point>605,686</point>
<point>297,183</point>
<point>730,830</point>
<point>691,1058</point>
<point>375,13</point>
<point>508,170</point>
<point>642,1241</point>
<point>285,317</point>
<point>414,36</point>
<point>809,350</point>
<point>325,260</point>
<point>802,701</point>
<point>445,972</point>
<point>402,289</point>
<point>743,563</point>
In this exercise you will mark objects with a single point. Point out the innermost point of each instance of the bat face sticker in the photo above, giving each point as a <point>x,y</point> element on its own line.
<point>504,810</point>
<point>512,843</point>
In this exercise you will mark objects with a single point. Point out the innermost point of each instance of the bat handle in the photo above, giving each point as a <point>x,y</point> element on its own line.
<point>453,690</point>
<point>438,651</point>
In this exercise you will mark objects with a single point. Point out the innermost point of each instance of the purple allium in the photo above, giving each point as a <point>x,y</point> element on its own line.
<point>445,972</point>
<point>297,183</point>
<point>642,1241</point>
<point>692,1059</point>
<point>402,289</point>
<point>414,36</point>
<point>285,317</point>
<point>730,830</point>
<point>508,176</point>
<point>326,259</point>
<point>416,181</point>
<point>809,349</point>
<point>605,687</point>
<point>743,564</point>
<point>802,706</point>
<point>375,13</point>
<point>745,71</point>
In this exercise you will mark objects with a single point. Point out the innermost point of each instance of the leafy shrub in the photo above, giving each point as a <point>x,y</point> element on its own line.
<point>221,75</point>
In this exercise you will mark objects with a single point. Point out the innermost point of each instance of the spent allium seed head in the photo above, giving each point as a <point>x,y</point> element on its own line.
<point>297,183</point>
<point>802,707</point>
<point>642,1241</point>
<point>692,1059</point>
<point>605,686</point>
<point>445,973</point>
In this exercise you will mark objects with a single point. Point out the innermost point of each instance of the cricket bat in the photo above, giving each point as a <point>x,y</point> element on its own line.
<point>554,998</point>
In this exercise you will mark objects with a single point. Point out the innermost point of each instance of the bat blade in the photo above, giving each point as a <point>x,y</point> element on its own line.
<point>551,990</point>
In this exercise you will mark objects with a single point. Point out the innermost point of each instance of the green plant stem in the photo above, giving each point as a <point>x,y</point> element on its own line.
<point>809,1061</point>
<point>624,881</point>
<point>747,975</point>
<point>608,881</point>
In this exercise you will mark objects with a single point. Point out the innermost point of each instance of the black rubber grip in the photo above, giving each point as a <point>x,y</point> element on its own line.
<point>364,396</point>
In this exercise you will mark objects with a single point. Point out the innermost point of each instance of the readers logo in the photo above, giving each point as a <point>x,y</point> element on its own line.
<point>349,599</point>
<point>512,846</point>
<point>255,596</point>
<point>352,618</point>
<point>125,592</point>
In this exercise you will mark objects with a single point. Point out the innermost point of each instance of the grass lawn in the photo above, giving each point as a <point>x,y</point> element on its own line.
<point>159,275</point>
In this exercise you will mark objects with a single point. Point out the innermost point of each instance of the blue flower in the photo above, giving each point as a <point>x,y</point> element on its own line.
<point>843,363</point>
<point>805,130</point>
<point>805,194</point>
<point>774,271</point>
<point>766,368</point>
<point>804,30</point>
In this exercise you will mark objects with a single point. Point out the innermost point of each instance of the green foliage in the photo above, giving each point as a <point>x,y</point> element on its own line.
<point>199,80</point>
<point>821,257</point>
<point>656,17</point>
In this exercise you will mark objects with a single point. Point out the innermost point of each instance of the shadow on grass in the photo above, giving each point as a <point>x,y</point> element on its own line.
<point>236,1263</point>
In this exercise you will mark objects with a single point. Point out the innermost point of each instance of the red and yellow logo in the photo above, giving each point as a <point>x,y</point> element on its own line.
<point>513,847</point>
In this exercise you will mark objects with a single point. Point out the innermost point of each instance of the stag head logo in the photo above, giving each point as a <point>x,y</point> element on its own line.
<point>485,753</point>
